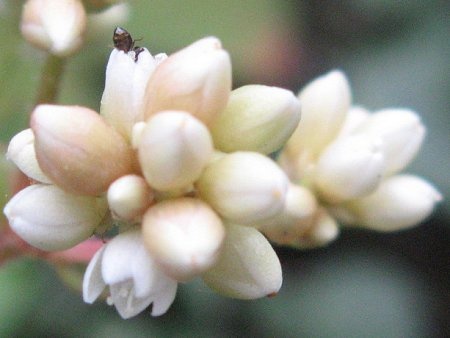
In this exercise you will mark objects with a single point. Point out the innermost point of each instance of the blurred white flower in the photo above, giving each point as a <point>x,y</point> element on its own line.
<point>56,26</point>
<point>350,159</point>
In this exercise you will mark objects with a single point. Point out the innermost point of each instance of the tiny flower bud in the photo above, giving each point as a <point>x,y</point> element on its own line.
<point>77,150</point>
<point>129,197</point>
<point>325,102</point>
<point>402,133</point>
<point>257,118</point>
<point>400,202</point>
<point>63,220</point>
<point>248,267</point>
<point>295,218</point>
<point>349,168</point>
<point>56,26</point>
<point>174,149</point>
<point>21,152</point>
<point>322,231</point>
<point>184,236</point>
<point>197,79</point>
<point>244,187</point>
<point>123,97</point>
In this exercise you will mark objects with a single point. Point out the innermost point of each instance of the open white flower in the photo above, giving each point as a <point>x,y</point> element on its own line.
<point>133,278</point>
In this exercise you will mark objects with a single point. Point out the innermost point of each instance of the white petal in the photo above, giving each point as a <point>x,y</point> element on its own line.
<point>164,297</point>
<point>93,284</point>
<point>21,152</point>
<point>248,268</point>
<point>51,219</point>
<point>400,202</point>
<point>402,133</point>
<point>124,299</point>
<point>119,253</point>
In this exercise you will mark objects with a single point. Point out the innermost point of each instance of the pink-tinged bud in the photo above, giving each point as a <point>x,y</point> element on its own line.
<point>56,26</point>
<point>77,150</point>
<point>197,79</point>
<point>184,236</point>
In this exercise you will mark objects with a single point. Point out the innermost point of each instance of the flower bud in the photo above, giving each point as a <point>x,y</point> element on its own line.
<point>257,118</point>
<point>174,149</point>
<point>63,220</point>
<point>56,26</point>
<point>129,197</point>
<point>77,150</point>
<point>184,236</point>
<point>123,97</point>
<point>197,79</point>
<point>248,267</point>
<point>325,102</point>
<point>354,118</point>
<point>322,231</point>
<point>402,133</point>
<point>287,226</point>
<point>21,152</point>
<point>349,168</point>
<point>244,187</point>
<point>400,202</point>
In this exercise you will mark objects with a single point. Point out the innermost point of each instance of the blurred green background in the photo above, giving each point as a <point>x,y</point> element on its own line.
<point>395,53</point>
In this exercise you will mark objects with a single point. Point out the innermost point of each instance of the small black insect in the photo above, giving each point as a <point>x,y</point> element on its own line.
<point>123,41</point>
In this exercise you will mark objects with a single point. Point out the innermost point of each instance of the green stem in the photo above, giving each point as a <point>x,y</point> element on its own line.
<point>50,79</point>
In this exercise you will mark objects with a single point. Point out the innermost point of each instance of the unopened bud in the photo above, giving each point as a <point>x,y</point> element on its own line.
<point>400,202</point>
<point>244,187</point>
<point>184,236</point>
<point>129,197</point>
<point>197,79</point>
<point>174,149</point>
<point>77,150</point>
<point>257,118</point>
<point>56,26</point>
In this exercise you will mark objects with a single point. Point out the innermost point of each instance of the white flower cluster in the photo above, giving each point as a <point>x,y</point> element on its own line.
<point>344,165</point>
<point>178,163</point>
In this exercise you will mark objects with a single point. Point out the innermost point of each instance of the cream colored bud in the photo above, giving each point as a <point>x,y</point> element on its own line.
<point>244,187</point>
<point>349,168</point>
<point>51,219</point>
<point>400,202</point>
<point>123,97</point>
<point>248,267</point>
<point>257,118</point>
<point>323,230</point>
<point>56,26</point>
<point>129,197</point>
<point>184,236</point>
<point>355,117</point>
<point>21,152</point>
<point>402,133</point>
<point>77,150</point>
<point>197,79</point>
<point>289,224</point>
<point>174,149</point>
<point>325,102</point>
